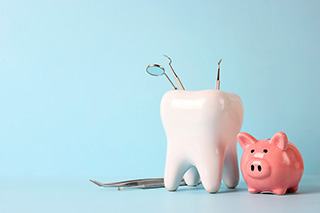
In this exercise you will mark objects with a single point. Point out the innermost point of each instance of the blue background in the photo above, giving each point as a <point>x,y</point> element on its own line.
<point>76,102</point>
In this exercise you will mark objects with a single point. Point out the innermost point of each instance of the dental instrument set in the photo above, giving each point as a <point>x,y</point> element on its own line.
<point>158,70</point>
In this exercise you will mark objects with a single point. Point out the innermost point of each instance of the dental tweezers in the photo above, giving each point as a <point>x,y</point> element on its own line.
<point>147,183</point>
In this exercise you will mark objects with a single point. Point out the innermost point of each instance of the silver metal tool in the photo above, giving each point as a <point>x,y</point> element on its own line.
<point>218,76</point>
<point>147,183</point>
<point>176,77</point>
<point>158,70</point>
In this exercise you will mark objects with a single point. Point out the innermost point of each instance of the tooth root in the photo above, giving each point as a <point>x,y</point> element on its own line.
<point>191,177</point>
<point>210,170</point>
<point>175,169</point>
<point>231,170</point>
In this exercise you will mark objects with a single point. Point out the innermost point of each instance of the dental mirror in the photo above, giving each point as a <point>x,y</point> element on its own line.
<point>157,70</point>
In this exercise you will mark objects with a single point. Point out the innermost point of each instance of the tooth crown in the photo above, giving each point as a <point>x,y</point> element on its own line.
<point>201,129</point>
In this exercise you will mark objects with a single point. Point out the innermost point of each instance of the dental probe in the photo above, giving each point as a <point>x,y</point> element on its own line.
<point>218,76</point>
<point>176,77</point>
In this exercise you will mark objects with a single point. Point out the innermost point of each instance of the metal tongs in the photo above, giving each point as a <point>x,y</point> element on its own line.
<point>147,183</point>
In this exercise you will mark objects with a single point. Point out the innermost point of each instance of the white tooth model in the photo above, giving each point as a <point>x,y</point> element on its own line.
<point>201,129</point>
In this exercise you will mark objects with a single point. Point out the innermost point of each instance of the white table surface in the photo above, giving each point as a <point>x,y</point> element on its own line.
<point>82,196</point>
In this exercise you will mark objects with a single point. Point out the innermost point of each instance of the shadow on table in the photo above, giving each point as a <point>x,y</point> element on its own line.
<point>304,189</point>
<point>199,188</point>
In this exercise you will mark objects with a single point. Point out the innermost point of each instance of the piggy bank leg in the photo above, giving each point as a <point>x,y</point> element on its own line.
<point>253,190</point>
<point>210,169</point>
<point>191,177</point>
<point>279,191</point>
<point>292,189</point>
<point>231,170</point>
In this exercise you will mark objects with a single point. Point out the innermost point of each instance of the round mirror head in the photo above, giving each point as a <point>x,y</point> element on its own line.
<point>155,70</point>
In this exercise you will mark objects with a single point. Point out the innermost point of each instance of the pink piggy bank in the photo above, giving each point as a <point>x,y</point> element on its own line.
<point>272,165</point>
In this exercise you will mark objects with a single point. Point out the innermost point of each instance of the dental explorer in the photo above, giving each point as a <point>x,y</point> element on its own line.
<point>218,76</point>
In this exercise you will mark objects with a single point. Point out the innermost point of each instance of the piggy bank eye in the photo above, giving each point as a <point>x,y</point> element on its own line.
<point>252,150</point>
<point>265,151</point>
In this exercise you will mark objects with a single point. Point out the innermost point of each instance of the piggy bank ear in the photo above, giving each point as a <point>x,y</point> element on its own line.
<point>245,139</point>
<point>280,139</point>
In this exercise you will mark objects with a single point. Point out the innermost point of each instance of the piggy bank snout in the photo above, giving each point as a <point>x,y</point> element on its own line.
<point>258,168</point>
